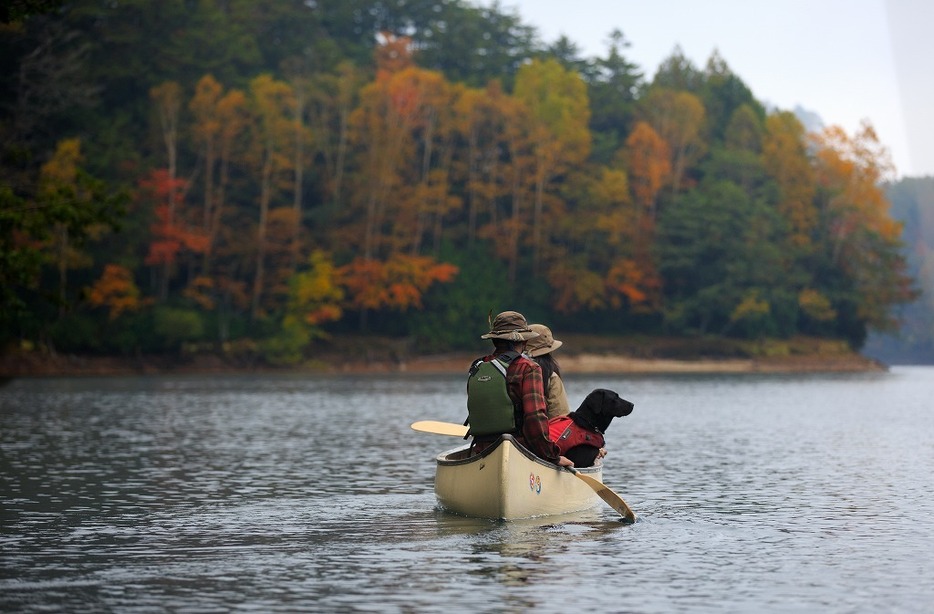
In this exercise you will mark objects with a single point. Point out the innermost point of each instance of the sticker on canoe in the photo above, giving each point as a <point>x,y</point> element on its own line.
<point>535,483</point>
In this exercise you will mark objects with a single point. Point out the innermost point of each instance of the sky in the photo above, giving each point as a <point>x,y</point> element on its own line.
<point>845,60</point>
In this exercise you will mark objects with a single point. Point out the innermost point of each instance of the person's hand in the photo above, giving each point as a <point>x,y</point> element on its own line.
<point>601,453</point>
<point>563,461</point>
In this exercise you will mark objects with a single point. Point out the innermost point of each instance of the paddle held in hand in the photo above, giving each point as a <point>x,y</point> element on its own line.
<point>440,428</point>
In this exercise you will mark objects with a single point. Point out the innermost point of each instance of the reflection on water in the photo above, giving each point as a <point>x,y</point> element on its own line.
<point>311,493</point>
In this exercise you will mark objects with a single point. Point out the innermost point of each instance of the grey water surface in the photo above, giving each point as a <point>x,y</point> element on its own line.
<point>764,493</point>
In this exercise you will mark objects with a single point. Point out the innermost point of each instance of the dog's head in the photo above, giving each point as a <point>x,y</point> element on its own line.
<point>601,406</point>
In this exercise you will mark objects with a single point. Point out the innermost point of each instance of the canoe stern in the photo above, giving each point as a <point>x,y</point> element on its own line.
<point>507,482</point>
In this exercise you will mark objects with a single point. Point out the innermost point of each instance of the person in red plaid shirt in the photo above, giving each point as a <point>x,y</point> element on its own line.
<point>509,332</point>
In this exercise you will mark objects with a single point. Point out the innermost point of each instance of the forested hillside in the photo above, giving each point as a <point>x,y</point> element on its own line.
<point>252,175</point>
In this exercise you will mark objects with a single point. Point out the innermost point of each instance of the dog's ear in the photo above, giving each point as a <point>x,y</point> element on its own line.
<point>608,401</point>
<point>616,406</point>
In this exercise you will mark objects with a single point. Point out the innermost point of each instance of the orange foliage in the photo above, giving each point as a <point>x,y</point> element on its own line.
<point>200,291</point>
<point>324,313</point>
<point>649,165</point>
<point>863,236</point>
<point>852,171</point>
<point>635,284</point>
<point>116,291</point>
<point>393,53</point>
<point>397,283</point>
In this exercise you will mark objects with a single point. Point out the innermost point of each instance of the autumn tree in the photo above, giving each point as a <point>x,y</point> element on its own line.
<point>597,270</point>
<point>861,243</point>
<point>785,159</point>
<point>559,137</point>
<point>78,207</point>
<point>176,233</point>
<point>116,291</point>
<point>69,209</point>
<point>301,84</point>
<point>332,99</point>
<point>382,128</point>
<point>315,298</point>
<point>492,136</point>
<point>58,182</point>
<point>678,117</point>
<point>647,158</point>
<point>167,98</point>
<point>433,199</point>
<point>206,131</point>
<point>233,117</point>
<point>272,103</point>
<point>398,283</point>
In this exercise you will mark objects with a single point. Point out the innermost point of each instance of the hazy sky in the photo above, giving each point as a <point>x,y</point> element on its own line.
<point>846,60</point>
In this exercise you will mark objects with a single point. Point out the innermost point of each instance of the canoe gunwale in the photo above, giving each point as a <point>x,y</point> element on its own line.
<point>444,457</point>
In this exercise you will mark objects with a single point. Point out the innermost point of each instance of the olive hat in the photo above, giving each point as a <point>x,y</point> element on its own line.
<point>510,325</point>
<point>544,343</point>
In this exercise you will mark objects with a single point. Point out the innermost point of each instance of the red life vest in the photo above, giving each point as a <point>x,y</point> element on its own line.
<point>567,434</point>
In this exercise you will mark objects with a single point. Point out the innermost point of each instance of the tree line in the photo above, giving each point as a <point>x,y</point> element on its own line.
<point>255,175</point>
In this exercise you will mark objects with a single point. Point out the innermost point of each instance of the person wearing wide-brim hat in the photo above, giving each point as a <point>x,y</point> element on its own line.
<point>510,326</point>
<point>540,348</point>
<point>523,407</point>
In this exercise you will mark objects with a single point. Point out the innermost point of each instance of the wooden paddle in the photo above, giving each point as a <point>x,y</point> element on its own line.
<point>602,490</point>
<point>440,428</point>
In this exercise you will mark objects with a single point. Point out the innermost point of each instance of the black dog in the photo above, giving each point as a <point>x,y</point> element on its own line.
<point>595,414</point>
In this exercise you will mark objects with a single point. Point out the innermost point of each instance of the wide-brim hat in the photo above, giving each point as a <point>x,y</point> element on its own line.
<point>544,343</point>
<point>510,325</point>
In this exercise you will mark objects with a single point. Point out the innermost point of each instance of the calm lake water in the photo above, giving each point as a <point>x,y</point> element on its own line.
<point>211,494</point>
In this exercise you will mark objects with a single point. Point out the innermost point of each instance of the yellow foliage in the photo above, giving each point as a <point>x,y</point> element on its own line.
<point>750,306</point>
<point>316,295</point>
<point>816,306</point>
<point>61,171</point>
<point>115,290</point>
<point>785,159</point>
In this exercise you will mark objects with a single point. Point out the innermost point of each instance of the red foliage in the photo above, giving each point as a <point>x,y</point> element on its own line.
<point>170,232</point>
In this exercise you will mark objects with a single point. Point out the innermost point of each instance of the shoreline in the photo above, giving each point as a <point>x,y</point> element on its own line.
<point>622,364</point>
<point>36,365</point>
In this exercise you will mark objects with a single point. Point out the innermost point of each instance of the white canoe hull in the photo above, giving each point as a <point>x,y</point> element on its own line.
<point>507,482</point>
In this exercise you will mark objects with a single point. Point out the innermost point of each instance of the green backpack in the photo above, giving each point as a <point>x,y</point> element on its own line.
<point>490,410</point>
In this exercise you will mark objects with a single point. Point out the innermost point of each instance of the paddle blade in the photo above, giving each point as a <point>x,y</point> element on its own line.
<point>440,428</point>
<point>611,498</point>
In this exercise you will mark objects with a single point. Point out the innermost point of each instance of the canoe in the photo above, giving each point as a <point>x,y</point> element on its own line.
<point>507,482</point>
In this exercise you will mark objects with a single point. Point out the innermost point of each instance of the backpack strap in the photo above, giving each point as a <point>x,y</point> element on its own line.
<point>507,357</point>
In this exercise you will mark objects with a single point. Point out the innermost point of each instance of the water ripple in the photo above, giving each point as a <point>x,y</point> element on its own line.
<point>290,493</point>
